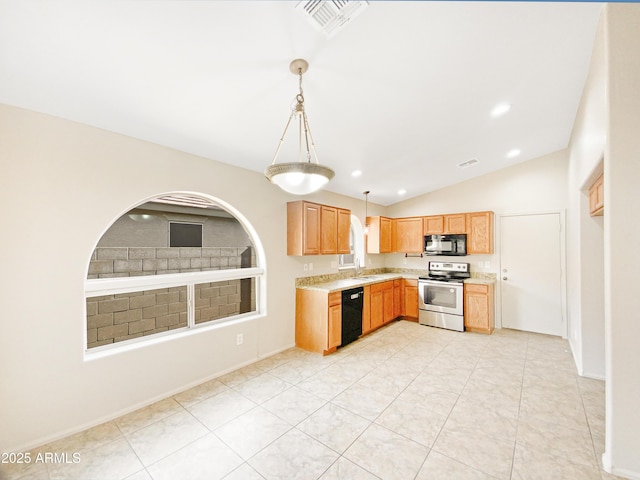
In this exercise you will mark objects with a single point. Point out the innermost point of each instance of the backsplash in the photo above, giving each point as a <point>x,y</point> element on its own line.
<point>332,277</point>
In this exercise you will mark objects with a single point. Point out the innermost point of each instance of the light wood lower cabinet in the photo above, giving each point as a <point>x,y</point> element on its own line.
<point>479,307</point>
<point>381,304</point>
<point>410,299</point>
<point>319,314</point>
<point>318,320</point>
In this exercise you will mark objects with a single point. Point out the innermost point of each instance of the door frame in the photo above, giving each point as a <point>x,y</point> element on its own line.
<point>563,264</point>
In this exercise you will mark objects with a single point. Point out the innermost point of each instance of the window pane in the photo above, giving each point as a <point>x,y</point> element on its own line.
<point>216,300</point>
<point>125,316</point>
<point>140,241</point>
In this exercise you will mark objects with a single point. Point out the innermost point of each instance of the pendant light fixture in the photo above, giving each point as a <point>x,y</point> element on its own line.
<point>366,211</point>
<point>304,176</point>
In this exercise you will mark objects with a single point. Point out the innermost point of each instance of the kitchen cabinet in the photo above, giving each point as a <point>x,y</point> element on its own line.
<point>381,304</point>
<point>479,307</point>
<point>314,229</point>
<point>479,232</point>
<point>456,223</point>
<point>410,287</point>
<point>344,231</point>
<point>398,298</point>
<point>433,225</point>
<point>408,235</point>
<point>366,310</point>
<point>379,236</point>
<point>596,197</point>
<point>318,320</point>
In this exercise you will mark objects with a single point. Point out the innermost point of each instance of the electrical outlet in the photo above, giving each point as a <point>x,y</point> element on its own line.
<point>239,339</point>
<point>404,260</point>
<point>311,266</point>
<point>306,267</point>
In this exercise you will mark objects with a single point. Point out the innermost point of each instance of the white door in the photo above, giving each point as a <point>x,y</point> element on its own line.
<point>531,273</point>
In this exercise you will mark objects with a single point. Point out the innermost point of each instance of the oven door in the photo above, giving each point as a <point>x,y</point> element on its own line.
<point>442,297</point>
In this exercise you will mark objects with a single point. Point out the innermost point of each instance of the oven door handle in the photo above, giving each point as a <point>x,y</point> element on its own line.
<point>439,282</point>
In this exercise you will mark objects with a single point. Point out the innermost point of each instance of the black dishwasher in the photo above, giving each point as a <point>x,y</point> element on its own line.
<point>351,314</point>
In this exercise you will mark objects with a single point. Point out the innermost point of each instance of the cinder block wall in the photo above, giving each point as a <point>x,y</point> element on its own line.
<point>115,318</point>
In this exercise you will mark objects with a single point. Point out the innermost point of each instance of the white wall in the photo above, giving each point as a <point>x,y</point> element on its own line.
<point>537,185</point>
<point>585,260</point>
<point>62,185</point>
<point>622,229</point>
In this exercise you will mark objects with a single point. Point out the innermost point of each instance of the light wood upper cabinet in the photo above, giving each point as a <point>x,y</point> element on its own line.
<point>314,229</point>
<point>379,236</point>
<point>596,197</point>
<point>456,223</point>
<point>433,225</point>
<point>479,232</point>
<point>344,231</point>
<point>328,230</point>
<point>303,228</point>
<point>478,308</point>
<point>408,235</point>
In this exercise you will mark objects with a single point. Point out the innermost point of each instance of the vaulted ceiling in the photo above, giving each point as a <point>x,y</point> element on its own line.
<point>403,93</point>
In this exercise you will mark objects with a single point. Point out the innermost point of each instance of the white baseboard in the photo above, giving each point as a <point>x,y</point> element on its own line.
<point>621,472</point>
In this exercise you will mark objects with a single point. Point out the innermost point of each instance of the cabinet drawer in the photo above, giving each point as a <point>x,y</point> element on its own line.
<point>335,298</point>
<point>476,288</point>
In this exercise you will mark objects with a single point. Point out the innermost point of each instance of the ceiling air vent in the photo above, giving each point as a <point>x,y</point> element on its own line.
<point>468,163</point>
<point>330,16</point>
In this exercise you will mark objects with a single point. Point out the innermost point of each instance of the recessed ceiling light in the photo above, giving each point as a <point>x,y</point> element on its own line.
<point>500,109</point>
<point>402,191</point>
<point>513,153</point>
<point>356,173</point>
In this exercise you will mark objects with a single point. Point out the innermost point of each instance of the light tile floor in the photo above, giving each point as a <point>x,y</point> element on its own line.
<point>405,402</point>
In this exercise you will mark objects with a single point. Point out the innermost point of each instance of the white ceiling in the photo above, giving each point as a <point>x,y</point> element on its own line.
<point>402,93</point>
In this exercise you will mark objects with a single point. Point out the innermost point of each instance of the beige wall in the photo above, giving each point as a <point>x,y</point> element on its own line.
<point>621,231</point>
<point>538,185</point>
<point>56,172</point>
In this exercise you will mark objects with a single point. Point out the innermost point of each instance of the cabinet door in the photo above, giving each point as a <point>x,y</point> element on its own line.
<point>377,308</point>
<point>344,231</point>
<point>478,308</point>
<point>379,236</point>
<point>398,298</point>
<point>409,236</point>
<point>387,302</point>
<point>366,310</point>
<point>410,298</point>
<point>479,232</point>
<point>455,223</point>
<point>385,235</point>
<point>311,229</point>
<point>335,326</point>
<point>329,230</point>
<point>433,225</point>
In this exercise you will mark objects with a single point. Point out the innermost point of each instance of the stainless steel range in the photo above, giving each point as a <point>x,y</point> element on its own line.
<point>440,295</point>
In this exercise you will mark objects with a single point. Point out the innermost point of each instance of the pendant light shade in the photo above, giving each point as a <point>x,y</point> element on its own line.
<point>304,176</point>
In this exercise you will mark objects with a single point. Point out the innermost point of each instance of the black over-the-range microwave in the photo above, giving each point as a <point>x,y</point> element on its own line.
<point>450,244</point>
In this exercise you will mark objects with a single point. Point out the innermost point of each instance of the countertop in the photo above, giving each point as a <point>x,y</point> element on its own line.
<point>353,282</point>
